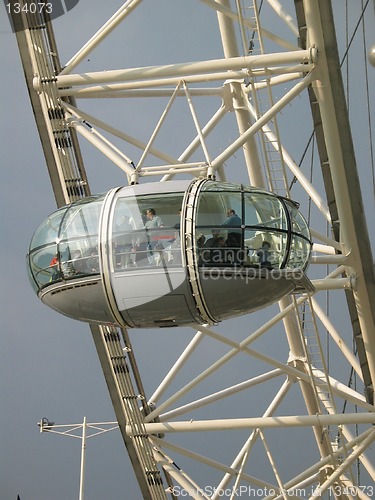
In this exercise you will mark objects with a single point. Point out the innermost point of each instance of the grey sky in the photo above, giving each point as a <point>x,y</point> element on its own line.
<point>48,363</point>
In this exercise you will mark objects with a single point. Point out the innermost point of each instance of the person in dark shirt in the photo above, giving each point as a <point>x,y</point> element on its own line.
<point>264,255</point>
<point>234,235</point>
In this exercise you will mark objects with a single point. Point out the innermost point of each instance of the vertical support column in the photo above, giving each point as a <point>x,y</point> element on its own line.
<point>341,162</point>
<point>297,353</point>
<point>244,118</point>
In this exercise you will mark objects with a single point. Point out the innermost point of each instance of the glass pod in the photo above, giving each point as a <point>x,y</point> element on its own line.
<point>169,254</point>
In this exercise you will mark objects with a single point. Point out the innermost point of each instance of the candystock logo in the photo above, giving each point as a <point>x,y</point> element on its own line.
<point>24,14</point>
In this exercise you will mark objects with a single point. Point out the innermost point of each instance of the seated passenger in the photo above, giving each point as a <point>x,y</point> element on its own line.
<point>67,269</point>
<point>201,240</point>
<point>78,262</point>
<point>55,267</point>
<point>218,253</point>
<point>93,262</point>
<point>264,255</point>
<point>206,254</point>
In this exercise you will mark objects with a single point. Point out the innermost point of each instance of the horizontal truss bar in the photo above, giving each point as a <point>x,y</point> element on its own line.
<point>130,89</point>
<point>251,63</point>
<point>258,422</point>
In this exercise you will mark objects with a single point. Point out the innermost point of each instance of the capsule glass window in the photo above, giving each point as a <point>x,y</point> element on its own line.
<point>240,225</point>
<point>146,231</point>
<point>65,245</point>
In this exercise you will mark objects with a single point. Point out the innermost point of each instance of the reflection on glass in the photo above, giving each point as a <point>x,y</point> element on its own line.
<point>264,210</point>
<point>49,230</point>
<point>234,226</point>
<point>298,223</point>
<point>257,233</point>
<point>66,245</point>
<point>299,252</point>
<point>265,248</point>
<point>213,207</point>
<point>146,232</point>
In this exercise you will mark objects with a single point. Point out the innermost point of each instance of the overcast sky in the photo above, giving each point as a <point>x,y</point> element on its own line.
<point>48,363</point>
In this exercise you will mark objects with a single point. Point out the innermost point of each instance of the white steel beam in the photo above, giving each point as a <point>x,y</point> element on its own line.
<point>109,151</point>
<point>180,476</point>
<point>100,35</point>
<point>307,476</point>
<point>334,284</point>
<point>180,362</point>
<point>236,348</point>
<point>243,454</point>
<point>133,88</point>
<point>325,239</point>
<point>337,338</point>
<point>232,472</point>
<point>157,128</point>
<point>247,22</point>
<point>331,480</point>
<point>224,393</point>
<point>296,171</point>
<point>259,422</point>
<point>81,115</point>
<point>276,108</point>
<point>341,164</point>
<point>338,388</point>
<point>251,63</point>
<point>284,16</point>
<point>239,101</point>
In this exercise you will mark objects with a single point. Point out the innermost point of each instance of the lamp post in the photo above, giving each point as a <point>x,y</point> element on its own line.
<point>83,460</point>
<point>89,430</point>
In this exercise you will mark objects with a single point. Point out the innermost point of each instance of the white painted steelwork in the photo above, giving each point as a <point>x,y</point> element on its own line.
<point>260,423</point>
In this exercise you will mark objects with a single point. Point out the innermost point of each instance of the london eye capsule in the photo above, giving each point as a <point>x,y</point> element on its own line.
<point>170,254</point>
